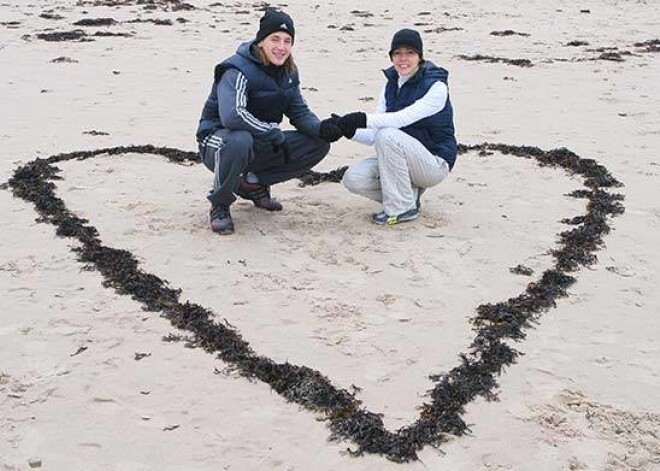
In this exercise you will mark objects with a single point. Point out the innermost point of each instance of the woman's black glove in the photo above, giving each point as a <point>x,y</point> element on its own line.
<point>330,130</point>
<point>351,122</point>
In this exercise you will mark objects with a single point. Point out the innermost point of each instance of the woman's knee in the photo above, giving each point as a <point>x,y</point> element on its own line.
<point>356,179</point>
<point>349,180</point>
<point>385,136</point>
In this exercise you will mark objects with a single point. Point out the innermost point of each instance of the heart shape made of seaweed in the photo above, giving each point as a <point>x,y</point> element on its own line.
<point>474,376</point>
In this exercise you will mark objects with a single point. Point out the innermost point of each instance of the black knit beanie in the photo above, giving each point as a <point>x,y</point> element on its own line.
<point>275,20</point>
<point>407,38</point>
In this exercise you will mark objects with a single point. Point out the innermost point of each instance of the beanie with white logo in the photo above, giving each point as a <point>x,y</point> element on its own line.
<point>273,21</point>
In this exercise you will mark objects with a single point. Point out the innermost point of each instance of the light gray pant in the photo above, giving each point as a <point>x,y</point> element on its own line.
<point>401,167</point>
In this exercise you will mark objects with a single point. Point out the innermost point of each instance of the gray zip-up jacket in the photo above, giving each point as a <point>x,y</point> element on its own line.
<point>247,95</point>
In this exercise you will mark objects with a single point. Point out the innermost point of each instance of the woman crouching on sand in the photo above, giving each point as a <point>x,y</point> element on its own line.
<point>412,131</point>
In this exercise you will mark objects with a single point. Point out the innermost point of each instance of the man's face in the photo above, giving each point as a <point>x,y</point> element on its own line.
<point>277,47</point>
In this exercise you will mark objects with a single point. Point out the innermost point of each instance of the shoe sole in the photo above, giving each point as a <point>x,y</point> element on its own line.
<point>226,231</point>
<point>393,221</point>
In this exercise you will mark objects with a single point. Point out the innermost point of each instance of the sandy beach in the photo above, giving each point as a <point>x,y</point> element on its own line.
<point>90,379</point>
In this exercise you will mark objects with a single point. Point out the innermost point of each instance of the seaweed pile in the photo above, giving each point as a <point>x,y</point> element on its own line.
<point>77,35</point>
<point>612,53</point>
<point>508,32</point>
<point>475,376</point>
<point>310,177</point>
<point>495,60</point>
<point>166,5</point>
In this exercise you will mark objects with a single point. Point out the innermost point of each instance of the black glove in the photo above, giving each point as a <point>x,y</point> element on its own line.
<point>284,148</point>
<point>278,137</point>
<point>269,142</point>
<point>280,144</point>
<point>351,122</point>
<point>330,130</point>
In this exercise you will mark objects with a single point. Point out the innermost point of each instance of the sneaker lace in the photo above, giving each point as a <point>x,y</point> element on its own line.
<point>220,212</point>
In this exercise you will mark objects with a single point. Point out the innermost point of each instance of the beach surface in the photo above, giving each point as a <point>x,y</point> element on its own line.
<point>90,380</point>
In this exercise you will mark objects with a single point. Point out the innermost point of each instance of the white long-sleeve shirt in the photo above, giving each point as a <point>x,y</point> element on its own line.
<point>431,103</point>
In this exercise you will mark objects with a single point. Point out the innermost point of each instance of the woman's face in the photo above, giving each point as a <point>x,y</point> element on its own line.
<point>405,60</point>
<point>277,47</point>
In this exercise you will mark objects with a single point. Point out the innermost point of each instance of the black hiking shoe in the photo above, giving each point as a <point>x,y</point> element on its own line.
<point>221,221</point>
<point>259,195</point>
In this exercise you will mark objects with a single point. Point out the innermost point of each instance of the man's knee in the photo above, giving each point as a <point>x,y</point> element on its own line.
<point>321,151</point>
<point>315,152</point>
<point>325,148</point>
<point>236,150</point>
<point>239,141</point>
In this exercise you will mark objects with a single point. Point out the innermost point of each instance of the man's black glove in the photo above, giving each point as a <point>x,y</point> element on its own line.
<point>280,144</point>
<point>271,142</point>
<point>275,136</point>
<point>284,148</point>
<point>330,130</point>
<point>351,122</point>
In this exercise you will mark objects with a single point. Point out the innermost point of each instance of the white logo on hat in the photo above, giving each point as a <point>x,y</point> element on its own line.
<point>283,26</point>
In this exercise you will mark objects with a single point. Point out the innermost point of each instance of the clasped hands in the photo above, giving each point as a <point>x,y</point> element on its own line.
<point>334,128</point>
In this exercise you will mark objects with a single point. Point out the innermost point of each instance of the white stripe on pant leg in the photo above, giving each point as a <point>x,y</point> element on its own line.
<point>216,171</point>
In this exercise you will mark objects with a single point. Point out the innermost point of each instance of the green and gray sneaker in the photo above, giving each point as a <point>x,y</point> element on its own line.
<point>383,218</point>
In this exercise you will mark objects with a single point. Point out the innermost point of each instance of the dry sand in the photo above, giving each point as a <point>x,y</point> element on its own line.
<point>377,308</point>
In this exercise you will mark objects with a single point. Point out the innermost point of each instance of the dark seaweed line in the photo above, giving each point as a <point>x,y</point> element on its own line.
<point>475,375</point>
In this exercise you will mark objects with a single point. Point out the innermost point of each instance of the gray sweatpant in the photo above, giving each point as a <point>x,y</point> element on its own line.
<point>229,154</point>
<point>401,167</point>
